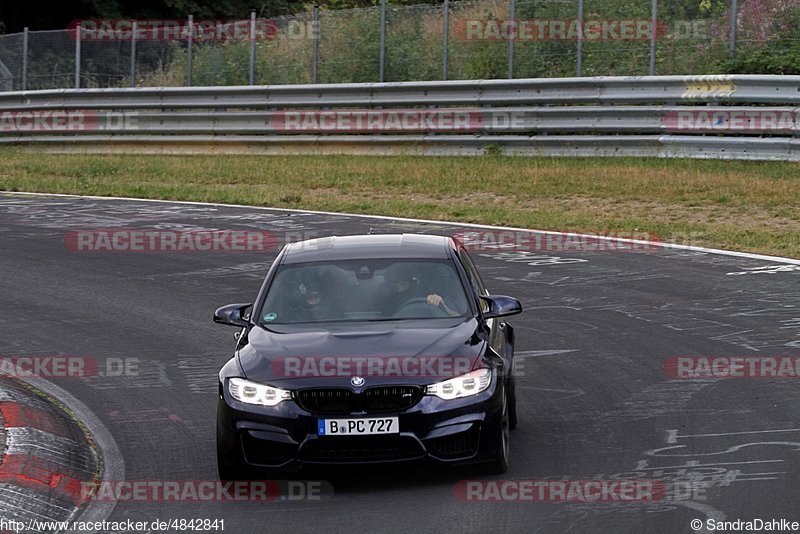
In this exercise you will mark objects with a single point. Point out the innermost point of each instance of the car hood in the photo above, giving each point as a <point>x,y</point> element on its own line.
<point>385,353</point>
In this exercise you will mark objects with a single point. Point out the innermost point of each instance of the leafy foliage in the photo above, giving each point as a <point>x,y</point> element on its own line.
<point>694,39</point>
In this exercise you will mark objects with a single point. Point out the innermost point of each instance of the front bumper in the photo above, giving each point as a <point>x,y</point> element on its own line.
<point>285,436</point>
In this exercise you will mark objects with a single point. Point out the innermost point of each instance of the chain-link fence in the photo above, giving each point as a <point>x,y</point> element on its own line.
<point>469,39</point>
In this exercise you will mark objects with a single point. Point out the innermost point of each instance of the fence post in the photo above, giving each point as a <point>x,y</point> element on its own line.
<point>189,47</point>
<point>580,39</point>
<point>512,13</point>
<point>252,75</point>
<point>653,32</point>
<point>383,39</point>
<point>25,58</point>
<point>78,56</point>
<point>315,66</point>
<point>734,26</point>
<point>133,53</point>
<point>445,38</point>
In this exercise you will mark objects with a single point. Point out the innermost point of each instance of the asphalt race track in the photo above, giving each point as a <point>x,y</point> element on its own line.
<point>595,399</point>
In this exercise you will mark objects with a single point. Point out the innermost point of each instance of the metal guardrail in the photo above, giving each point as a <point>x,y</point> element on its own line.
<point>510,120</point>
<point>740,117</point>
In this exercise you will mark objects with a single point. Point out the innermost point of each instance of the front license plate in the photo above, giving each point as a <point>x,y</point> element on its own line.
<point>358,427</point>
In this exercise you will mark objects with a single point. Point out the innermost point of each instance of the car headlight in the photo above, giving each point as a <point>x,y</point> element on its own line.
<point>462,386</point>
<point>253,393</point>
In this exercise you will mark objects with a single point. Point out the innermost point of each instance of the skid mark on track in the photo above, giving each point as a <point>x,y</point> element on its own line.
<point>201,372</point>
<point>144,416</point>
<point>532,258</point>
<point>668,398</point>
<point>541,353</point>
<point>556,394</point>
<point>161,422</point>
<point>700,461</point>
<point>61,214</point>
<point>149,374</point>
<point>251,270</point>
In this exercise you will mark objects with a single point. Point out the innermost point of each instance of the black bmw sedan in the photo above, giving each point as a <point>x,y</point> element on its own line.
<point>365,349</point>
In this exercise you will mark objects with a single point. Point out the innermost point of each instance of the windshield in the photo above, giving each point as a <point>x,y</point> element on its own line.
<point>364,290</point>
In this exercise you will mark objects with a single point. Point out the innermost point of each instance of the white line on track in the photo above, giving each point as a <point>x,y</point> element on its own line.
<point>676,246</point>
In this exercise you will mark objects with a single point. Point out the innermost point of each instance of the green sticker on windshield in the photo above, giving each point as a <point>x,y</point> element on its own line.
<point>271,316</point>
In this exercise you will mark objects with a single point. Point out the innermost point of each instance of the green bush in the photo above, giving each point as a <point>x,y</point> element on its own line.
<point>349,48</point>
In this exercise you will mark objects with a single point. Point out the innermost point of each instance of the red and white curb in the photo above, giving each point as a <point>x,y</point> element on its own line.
<point>46,460</point>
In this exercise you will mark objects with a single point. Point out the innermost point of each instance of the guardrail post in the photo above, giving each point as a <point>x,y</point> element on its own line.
<point>383,39</point>
<point>653,32</point>
<point>734,26</point>
<point>512,13</point>
<point>24,58</point>
<point>78,56</point>
<point>189,50</point>
<point>445,38</point>
<point>579,68</point>
<point>252,73</point>
<point>315,66</point>
<point>133,53</point>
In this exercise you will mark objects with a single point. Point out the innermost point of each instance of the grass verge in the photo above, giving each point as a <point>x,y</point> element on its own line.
<point>747,206</point>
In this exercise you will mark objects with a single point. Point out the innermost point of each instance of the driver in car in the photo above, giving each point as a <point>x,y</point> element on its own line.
<point>404,286</point>
<point>310,301</point>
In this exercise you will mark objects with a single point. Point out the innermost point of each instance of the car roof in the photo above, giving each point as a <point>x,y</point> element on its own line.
<point>368,246</point>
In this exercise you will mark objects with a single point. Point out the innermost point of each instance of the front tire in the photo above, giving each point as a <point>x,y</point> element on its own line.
<point>499,463</point>
<point>512,401</point>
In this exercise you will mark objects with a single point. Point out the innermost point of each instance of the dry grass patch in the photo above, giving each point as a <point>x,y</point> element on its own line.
<point>742,205</point>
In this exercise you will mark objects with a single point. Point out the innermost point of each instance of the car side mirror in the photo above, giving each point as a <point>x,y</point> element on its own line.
<point>233,314</point>
<point>500,306</point>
